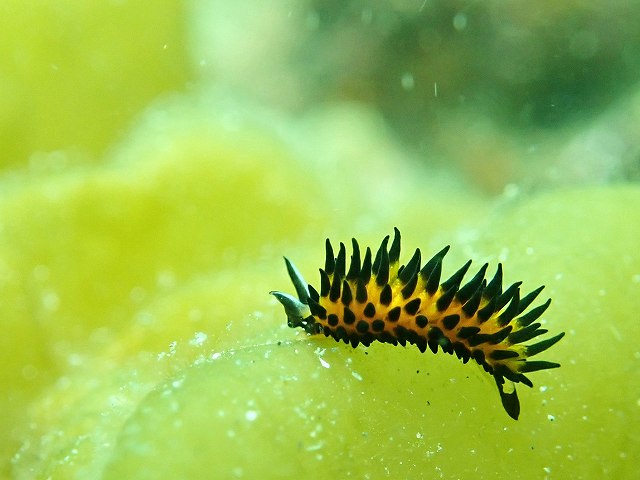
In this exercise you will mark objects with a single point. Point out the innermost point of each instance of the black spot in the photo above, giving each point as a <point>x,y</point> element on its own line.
<point>478,356</point>
<point>456,278</point>
<point>354,267</point>
<point>495,285</point>
<point>361,291</point>
<point>333,320</point>
<point>472,305</point>
<point>451,321</point>
<point>522,378</point>
<point>503,370</point>
<point>348,317</point>
<point>466,332</point>
<point>535,365</point>
<point>347,296</point>
<point>527,333</point>
<point>479,338</point>
<point>466,292</point>
<point>410,287</point>
<point>341,261</point>
<point>313,293</point>
<point>362,326</point>
<point>435,334</point>
<point>528,299</point>
<point>422,321</point>
<point>385,295</point>
<point>446,298</point>
<point>330,262</point>
<point>366,339</point>
<point>433,280</point>
<point>381,263</point>
<point>334,293</point>
<point>370,310</point>
<point>503,354</point>
<point>485,312</point>
<point>413,306</point>
<point>386,337</point>
<point>401,335</point>
<point>461,352</point>
<point>316,309</point>
<point>446,345</point>
<point>528,318</point>
<point>437,339</point>
<point>543,345</point>
<point>378,325</point>
<point>394,251</point>
<point>394,314</point>
<point>411,269</point>
<point>325,283</point>
<point>341,333</point>
<point>511,311</point>
<point>428,272</point>
<point>412,336</point>
<point>506,296</point>
<point>365,272</point>
<point>500,335</point>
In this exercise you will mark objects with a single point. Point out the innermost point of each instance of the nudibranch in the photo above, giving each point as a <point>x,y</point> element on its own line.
<point>384,301</point>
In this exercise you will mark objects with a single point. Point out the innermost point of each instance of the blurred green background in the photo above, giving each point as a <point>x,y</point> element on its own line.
<point>157,162</point>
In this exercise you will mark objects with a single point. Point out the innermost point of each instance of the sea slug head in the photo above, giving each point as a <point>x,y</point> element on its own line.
<point>297,312</point>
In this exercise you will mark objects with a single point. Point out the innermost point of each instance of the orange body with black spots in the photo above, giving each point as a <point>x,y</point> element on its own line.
<point>379,300</point>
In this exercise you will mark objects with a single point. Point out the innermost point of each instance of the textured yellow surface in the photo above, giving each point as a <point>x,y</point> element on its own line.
<point>73,73</point>
<point>139,339</point>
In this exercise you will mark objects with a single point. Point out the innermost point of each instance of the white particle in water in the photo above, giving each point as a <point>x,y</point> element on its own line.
<point>177,383</point>
<point>198,339</point>
<point>460,21</point>
<point>251,415</point>
<point>166,279</point>
<point>51,301</point>
<point>314,447</point>
<point>407,81</point>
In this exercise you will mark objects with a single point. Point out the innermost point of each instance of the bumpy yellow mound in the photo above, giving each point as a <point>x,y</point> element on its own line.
<point>140,340</point>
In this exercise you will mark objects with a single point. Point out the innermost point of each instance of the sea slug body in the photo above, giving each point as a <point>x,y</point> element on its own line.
<point>376,299</point>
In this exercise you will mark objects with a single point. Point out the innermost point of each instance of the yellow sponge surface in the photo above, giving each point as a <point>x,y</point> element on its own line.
<point>140,340</point>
